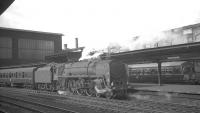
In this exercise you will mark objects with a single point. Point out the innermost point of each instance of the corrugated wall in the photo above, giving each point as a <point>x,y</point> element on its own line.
<point>35,49</point>
<point>5,48</point>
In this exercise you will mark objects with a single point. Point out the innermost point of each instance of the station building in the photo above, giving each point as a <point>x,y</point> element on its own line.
<point>22,48</point>
<point>182,35</point>
<point>25,46</point>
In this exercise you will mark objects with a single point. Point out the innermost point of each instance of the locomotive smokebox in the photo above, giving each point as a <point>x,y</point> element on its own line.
<point>76,42</point>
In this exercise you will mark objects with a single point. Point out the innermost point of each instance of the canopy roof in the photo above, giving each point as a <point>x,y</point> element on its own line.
<point>189,51</point>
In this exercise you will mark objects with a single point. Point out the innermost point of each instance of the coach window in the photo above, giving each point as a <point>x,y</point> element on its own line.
<point>0,75</point>
<point>20,75</point>
<point>165,70</point>
<point>17,75</point>
<point>23,76</point>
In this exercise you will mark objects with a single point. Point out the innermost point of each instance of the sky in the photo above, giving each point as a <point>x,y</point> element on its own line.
<point>100,23</point>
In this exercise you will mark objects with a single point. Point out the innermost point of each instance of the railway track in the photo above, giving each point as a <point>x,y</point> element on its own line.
<point>32,106</point>
<point>44,97</point>
<point>166,97</point>
<point>178,95</point>
<point>101,104</point>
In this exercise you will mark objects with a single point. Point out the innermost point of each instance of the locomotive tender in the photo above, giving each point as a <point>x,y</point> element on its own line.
<point>92,78</point>
<point>177,72</point>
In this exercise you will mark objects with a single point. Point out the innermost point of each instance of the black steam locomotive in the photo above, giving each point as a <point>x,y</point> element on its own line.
<point>92,78</point>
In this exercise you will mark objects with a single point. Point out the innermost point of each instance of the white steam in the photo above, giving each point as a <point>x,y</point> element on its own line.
<point>159,39</point>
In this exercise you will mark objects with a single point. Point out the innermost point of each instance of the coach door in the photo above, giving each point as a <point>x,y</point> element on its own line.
<point>197,70</point>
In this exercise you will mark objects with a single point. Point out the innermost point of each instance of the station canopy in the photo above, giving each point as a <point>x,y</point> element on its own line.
<point>189,51</point>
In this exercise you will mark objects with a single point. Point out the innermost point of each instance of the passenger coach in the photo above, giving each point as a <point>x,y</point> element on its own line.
<point>179,72</point>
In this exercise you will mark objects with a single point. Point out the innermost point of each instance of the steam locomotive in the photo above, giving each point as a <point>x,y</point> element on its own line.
<point>178,72</point>
<point>92,78</point>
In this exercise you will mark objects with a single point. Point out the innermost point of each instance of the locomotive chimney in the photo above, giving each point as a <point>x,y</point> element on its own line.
<point>65,46</point>
<point>76,39</point>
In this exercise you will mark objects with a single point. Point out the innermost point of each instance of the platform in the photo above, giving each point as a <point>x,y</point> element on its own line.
<point>171,88</point>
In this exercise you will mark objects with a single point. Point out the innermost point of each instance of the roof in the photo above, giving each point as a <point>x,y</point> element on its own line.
<point>178,63</point>
<point>188,51</point>
<point>69,55</point>
<point>4,4</point>
<point>190,26</point>
<point>30,31</point>
<point>23,69</point>
<point>24,65</point>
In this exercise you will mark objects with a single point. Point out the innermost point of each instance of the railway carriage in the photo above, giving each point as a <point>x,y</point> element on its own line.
<point>179,72</point>
<point>21,77</point>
